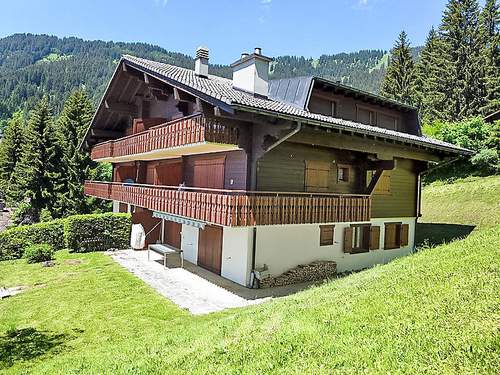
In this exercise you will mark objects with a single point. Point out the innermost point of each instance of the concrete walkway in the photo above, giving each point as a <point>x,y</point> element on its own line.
<point>184,288</point>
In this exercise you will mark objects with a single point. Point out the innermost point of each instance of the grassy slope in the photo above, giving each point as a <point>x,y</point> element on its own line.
<point>436,311</point>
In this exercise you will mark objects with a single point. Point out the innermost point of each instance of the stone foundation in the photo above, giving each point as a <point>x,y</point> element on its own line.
<point>303,273</point>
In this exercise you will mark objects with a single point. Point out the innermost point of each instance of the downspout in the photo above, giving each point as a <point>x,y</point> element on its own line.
<point>254,250</point>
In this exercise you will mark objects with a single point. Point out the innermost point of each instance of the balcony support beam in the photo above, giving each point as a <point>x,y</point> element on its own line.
<point>122,108</point>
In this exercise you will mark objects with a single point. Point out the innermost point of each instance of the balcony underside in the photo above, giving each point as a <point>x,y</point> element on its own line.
<point>238,208</point>
<point>171,153</point>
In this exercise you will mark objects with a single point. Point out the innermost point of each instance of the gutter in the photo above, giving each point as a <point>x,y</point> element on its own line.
<point>281,140</point>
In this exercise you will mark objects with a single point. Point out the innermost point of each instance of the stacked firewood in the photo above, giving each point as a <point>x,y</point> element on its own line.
<point>315,271</point>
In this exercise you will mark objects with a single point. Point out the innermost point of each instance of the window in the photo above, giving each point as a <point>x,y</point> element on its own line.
<point>387,121</point>
<point>323,106</point>
<point>366,115</point>
<point>360,238</point>
<point>316,175</point>
<point>326,235</point>
<point>396,235</point>
<point>343,173</point>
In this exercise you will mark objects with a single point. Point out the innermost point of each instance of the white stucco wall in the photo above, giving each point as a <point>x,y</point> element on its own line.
<point>189,243</point>
<point>286,246</point>
<point>237,254</point>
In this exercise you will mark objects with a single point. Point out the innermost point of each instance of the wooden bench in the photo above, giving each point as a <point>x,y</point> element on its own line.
<point>164,249</point>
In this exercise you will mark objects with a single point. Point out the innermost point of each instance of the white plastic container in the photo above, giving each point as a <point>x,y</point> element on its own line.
<point>137,237</point>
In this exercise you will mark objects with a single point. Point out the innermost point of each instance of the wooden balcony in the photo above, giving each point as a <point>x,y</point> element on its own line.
<point>236,207</point>
<point>189,135</point>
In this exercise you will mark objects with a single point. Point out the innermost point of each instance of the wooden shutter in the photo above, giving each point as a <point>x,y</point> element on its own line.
<point>316,175</point>
<point>209,173</point>
<point>390,236</point>
<point>374,238</point>
<point>347,240</point>
<point>405,228</point>
<point>326,235</point>
<point>383,186</point>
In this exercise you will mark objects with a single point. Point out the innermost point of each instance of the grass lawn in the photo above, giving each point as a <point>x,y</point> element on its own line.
<point>437,311</point>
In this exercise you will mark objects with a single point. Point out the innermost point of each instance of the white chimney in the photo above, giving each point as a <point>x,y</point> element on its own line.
<point>251,73</point>
<point>201,62</point>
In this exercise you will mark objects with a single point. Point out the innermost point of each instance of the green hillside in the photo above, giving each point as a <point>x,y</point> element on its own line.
<point>33,65</point>
<point>432,312</point>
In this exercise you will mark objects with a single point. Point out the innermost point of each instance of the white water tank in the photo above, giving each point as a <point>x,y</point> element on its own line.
<point>137,237</point>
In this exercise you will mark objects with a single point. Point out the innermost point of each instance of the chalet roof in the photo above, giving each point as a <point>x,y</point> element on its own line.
<point>220,91</point>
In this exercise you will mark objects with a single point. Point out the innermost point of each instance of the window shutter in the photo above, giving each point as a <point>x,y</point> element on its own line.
<point>347,240</point>
<point>374,238</point>
<point>326,235</point>
<point>405,228</point>
<point>390,235</point>
<point>316,175</point>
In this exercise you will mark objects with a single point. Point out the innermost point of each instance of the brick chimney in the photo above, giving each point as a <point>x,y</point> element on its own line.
<point>201,62</point>
<point>251,73</point>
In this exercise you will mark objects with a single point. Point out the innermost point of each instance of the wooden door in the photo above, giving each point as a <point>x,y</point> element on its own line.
<point>209,173</point>
<point>316,175</point>
<point>172,235</point>
<point>169,174</point>
<point>210,248</point>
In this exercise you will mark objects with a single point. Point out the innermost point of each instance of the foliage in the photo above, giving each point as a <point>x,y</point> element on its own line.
<point>399,81</point>
<point>14,241</point>
<point>80,233</point>
<point>490,29</point>
<point>24,214</point>
<point>10,153</point>
<point>97,232</point>
<point>473,134</point>
<point>38,253</point>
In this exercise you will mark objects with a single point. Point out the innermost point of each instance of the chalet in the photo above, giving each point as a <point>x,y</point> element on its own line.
<point>252,177</point>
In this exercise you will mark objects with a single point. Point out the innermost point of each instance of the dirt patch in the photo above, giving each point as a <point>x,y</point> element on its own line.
<point>73,262</point>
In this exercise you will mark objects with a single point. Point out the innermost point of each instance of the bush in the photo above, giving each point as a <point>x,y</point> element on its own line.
<point>14,241</point>
<point>38,253</point>
<point>486,160</point>
<point>80,233</point>
<point>98,232</point>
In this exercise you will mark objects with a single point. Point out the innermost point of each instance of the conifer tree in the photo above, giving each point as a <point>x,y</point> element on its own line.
<point>429,83</point>
<point>399,81</point>
<point>462,56</point>
<point>32,178</point>
<point>490,30</point>
<point>72,125</point>
<point>10,152</point>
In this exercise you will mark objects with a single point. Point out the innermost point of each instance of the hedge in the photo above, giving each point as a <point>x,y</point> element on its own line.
<point>97,232</point>
<point>78,233</point>
<point>13,241</point>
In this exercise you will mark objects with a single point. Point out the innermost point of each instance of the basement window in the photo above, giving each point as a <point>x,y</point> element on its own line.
<point>326,235</point>
<point>396,235</point>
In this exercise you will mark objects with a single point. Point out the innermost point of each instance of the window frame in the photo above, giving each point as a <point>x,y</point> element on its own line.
<point>327,241</point>
<point>373,114</point>
<point>343,180</point>
<point>364,241</point>
<point>398,233</point>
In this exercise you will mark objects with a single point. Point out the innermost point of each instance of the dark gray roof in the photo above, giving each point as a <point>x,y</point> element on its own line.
<point>220,91</point>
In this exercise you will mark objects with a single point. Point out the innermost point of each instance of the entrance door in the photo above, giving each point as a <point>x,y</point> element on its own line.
<point>210,248</point>
<point>209,173</point>
<point>172,235</point>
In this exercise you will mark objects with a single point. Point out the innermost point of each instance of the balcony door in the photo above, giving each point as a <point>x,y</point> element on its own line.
<point>210,248</point>
<point>209,173</point>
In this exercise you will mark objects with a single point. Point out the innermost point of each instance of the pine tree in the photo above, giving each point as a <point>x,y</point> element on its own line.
<point>10,152</point>
<point>429,84</point>
<point>399,81</point>
<point>490,30</point>
<point>31,178</point>
<point>72,125</point>
<point>464,72</point>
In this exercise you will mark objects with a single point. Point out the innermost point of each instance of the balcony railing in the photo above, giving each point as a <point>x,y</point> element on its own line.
<point>236,207</point>
<point>183,132</point>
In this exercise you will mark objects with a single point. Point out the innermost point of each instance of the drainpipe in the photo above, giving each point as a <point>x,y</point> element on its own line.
<point>281,140</point>
<point>254,248</point>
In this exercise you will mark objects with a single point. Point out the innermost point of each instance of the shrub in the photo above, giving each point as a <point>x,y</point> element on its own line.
<point>14,241</point>
<point>98,232</point>
<point>486,160</point>
<point>38,253</point>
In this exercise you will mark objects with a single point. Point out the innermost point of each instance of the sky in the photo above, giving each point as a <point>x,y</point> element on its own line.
<point>228,28</point>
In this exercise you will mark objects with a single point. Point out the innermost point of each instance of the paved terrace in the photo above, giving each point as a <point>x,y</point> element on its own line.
<point>192,287</point>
